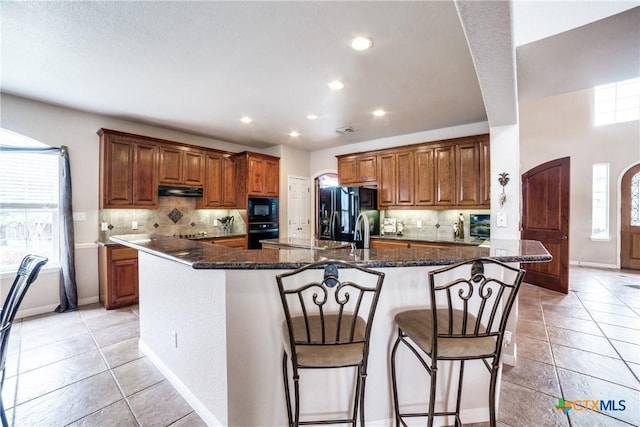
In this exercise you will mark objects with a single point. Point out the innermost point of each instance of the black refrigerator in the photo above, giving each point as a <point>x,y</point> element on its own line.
<point>339,208</point>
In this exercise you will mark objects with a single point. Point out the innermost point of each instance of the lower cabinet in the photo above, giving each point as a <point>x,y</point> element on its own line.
<point>118,276</point>
<point>406,244</point>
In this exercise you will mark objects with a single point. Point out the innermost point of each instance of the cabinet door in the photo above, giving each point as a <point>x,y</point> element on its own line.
<point>271,178</point>
<point>145,175</point>
<point>347,170</point>
<point>366,169</point>
<point>387,180</point>
<point>117,167</point>
<point>124,287</point>
<point>193,168</point>
<point>170,165</point>
<point>388,244</point>
<point>468,174</point>
<point>405,178</point>
<point>229,191</point>
<point>256,176</point>
<point>368,198</point>
<point>212,195</point>
<point>445,177</point>
<point>424,174</point>
<point>485,174</point>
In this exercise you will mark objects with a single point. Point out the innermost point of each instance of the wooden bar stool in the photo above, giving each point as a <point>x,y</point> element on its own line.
<point>328,318</point>
<point>466,320</point>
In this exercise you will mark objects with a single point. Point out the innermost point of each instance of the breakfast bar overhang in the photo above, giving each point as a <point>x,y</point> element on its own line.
<point>211,321</point>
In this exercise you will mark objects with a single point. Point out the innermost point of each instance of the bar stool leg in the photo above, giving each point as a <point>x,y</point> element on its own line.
<point>287,394</point>
<point>394,384</point>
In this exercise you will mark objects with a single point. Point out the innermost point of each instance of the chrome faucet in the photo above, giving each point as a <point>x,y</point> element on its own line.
<point>362,230</point>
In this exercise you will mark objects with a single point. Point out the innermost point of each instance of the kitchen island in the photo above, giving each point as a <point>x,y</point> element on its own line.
<point>300,243</point>
<point>211,321</point>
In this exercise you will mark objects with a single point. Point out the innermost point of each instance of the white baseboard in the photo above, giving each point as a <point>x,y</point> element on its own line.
<point>184,391</point>
<point>49,308</point>
<point>593,264</point>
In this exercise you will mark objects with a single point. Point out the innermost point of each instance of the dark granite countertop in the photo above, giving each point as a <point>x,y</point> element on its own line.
<point>299,243</point>
<point>432,238</point>
<point>204,256</point>
<point>105,240</point>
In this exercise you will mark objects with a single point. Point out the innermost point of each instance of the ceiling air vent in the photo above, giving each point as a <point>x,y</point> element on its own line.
<point>344,130</point>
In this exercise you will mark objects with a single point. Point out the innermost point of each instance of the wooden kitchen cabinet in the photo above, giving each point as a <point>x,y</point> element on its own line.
<point>357,169</point>
<point>128,171</point>
<point>485,173</point>
<point>219,182</point>
<point>181,166</point>
<point>424,177</point>
<point>118,276</point>
<point>445,175</point>
<point>231,242</point>
<point>396,179</point>
<point>257,175</point>
<point>388,244</point>
<point>468,174</point>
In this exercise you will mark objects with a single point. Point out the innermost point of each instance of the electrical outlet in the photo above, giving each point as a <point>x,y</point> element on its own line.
<point>501,220</point>
<point>104,226</point>
<point>507,338</point>
<point>215,222</point>
<point>134,225</point>
<point>79,216</point>
<point>419,223</point>
<point>174,339</point>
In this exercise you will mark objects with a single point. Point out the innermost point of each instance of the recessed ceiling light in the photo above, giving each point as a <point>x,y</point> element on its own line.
<point>379,113</point>
<point>294,134</point>
<point>336,85</point>
<point>312,117</point>
<point>246,119</point>
<point>361,43</point>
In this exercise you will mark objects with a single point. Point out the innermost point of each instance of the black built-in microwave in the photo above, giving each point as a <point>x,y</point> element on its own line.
<point>262,209</point>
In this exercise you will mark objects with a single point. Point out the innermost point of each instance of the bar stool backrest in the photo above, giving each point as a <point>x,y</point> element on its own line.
<point>472,304</point>
<point>324,308</point>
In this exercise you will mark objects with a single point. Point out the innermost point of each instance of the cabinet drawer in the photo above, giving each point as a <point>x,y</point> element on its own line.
<point>123,253</point>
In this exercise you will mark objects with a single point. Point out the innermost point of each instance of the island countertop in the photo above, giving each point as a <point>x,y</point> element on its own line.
<point>211,257</point>
<point>300,243</point>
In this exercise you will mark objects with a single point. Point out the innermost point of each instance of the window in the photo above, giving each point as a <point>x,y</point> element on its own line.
<point>600,202</point>
<point>28,202</point>
<point>635,200</point>
<point>617,102</point>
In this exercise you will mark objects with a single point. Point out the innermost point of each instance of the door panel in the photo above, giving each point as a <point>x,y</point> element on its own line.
<point>545,217</point>
<point>630,219</point>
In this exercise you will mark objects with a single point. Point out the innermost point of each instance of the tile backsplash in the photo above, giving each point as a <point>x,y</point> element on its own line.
<point>437,224</point>
<point>174,215</point>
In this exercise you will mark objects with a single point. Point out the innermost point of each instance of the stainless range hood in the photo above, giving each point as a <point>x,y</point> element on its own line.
<point>170,190</point>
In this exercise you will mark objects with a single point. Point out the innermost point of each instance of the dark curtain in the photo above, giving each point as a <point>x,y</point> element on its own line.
<point>68,288</point>
<point>67,284</point>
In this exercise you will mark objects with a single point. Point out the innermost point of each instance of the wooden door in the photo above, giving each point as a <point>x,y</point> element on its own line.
<point>485,173</point>
<point>256,176</point>
<point>387,180</point>
<point>366,169</point>
<point>630,219</point>
<point>124,289</point>
<point>445,177</point>
<point>545,217</point>
<point>404,178</point>
<point>424,174</point>
<point>346,170</point>
<point>145,175</point>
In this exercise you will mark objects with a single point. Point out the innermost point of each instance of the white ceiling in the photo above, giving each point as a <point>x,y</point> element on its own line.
<point>199,66</point>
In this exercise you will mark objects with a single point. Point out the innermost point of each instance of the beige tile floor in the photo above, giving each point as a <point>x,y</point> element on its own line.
<point>84,368</point>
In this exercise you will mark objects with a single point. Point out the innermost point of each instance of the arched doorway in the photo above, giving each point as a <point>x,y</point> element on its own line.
<point>630,219</point>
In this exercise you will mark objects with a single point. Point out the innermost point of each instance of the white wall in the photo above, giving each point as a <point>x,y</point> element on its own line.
<point>561,126</point>
<point>58,126</point>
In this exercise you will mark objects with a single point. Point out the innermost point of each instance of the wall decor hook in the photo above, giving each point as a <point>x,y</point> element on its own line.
<point>503,179</point>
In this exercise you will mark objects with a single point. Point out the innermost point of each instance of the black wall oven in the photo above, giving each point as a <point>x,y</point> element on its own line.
<point>262,209</point>
<point>262,214</point>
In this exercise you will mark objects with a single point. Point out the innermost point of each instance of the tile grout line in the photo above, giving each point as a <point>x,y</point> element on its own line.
<point>110,370</point>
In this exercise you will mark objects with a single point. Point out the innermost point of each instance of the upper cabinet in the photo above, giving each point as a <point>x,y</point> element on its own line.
<point>128,171</point>
<point>258,175</point>
<point>220,182</point>
<point>437,175</point>
<point>357,169</point>
<point>181,165</point>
